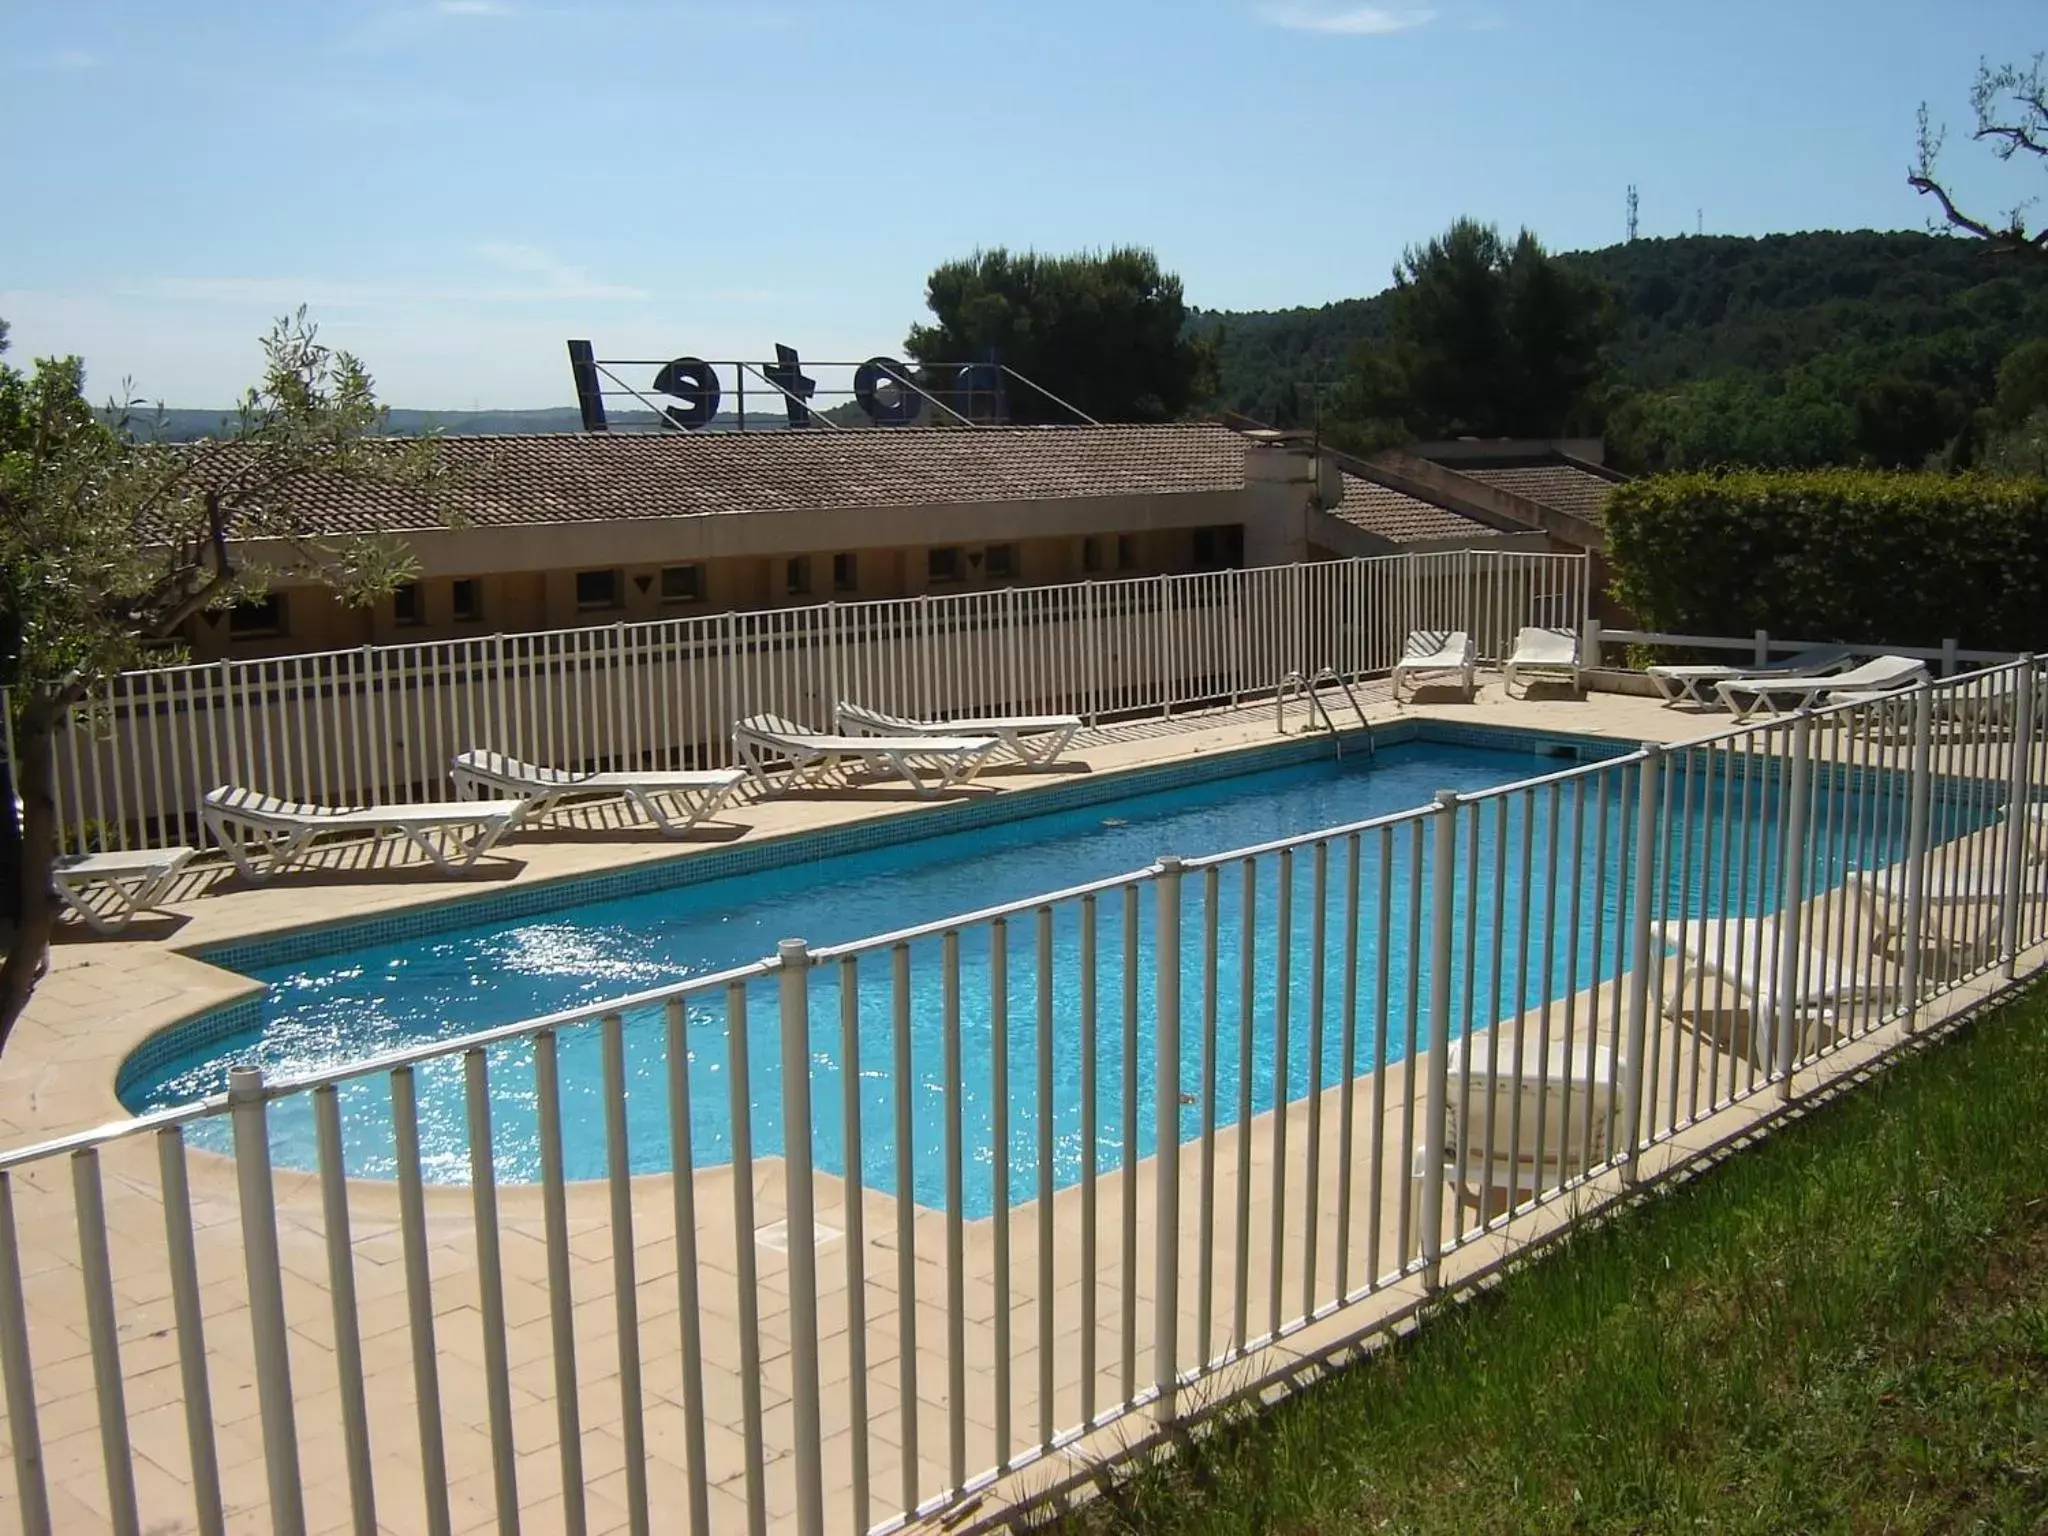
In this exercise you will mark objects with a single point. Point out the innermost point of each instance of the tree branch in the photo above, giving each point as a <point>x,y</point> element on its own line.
<point>2011,104</point>
<point>2015,137</point>
<point>1927,186</point>
<point>166,623</point>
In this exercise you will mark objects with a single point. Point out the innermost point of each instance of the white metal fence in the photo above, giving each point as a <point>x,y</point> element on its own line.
<point>1948,658</point>
<point>1065,1159</point>
<point>379,724</point>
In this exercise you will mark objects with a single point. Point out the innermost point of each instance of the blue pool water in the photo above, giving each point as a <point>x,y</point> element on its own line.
<point>326,1012</point>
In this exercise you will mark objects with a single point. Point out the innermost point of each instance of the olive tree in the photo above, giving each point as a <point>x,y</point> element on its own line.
<point>110,544</point>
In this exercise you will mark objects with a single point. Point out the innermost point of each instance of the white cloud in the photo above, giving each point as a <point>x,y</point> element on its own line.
<point>409,26</point>
<point>508,274</point>
<point>556,279</point>
<point>58,60</point>
<point>1348,21</point>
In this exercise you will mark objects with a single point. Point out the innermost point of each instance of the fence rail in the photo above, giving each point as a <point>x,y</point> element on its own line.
<point>1762,645</point>
<point>378,725</point>
<point>1035,1169</point>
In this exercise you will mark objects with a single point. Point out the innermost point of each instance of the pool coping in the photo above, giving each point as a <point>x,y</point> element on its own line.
<point>443,911</point>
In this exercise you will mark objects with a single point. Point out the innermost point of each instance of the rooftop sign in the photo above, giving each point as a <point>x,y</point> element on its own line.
<point>689,393</point>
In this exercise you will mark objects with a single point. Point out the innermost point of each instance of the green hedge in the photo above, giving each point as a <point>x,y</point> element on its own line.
<point>1849,555</point>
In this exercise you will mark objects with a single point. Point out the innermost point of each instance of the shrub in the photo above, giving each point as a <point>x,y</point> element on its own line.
<point>1845,555</point>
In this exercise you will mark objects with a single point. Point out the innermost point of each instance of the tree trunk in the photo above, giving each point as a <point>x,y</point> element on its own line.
<point>35,741</point>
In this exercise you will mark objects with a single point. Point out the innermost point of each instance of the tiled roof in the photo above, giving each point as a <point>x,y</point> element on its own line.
<point>601,477</point>
<point>1561,486</point>
<point>1402,518</point>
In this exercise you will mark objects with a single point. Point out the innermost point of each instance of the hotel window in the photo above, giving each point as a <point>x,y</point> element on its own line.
<point>999,561</point>
<point>942,564</point>
<point>1126,552</point>
<point>466,600</point>
<point>682,583</point>
<point>1220,548</point>
<point>409,604</point>
<point>597,589</point>
<point>796,575</point>
<point>845,574</point>
<point>1091,554</point>
<point>258,617</point>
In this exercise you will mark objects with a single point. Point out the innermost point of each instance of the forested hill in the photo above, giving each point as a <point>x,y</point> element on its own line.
<point>1710,305</point>
<point>1805,320</point>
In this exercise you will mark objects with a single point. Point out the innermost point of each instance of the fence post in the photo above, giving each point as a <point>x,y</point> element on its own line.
<point>1643,880</point>
<point>1166,1138</point>
<point>832,659</point>
<point>622,708</point>
<point>1590,645</point>
<point>221,727</point>
<point>1165,645</point>
<point>794,957</point>
<point>1465,583</point>
<point>1091,654</point>
<point>1763,647</point>
<point>32,1493</point>
<point>1948,657</point>
<point>1298,580</point>
<point>1921,781</point>
<point>2016,818</point>
<point>1442,910</point>
<point>1791,898</point>
<point>266,1299</point>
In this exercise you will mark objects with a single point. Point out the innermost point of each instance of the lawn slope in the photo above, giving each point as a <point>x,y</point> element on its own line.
<point>1842,1329</point>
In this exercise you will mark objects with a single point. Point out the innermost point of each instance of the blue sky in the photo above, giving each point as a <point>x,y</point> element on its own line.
<point>455,186</point>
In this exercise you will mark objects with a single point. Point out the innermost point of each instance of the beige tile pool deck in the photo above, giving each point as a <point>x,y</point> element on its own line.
<point>103,997</point>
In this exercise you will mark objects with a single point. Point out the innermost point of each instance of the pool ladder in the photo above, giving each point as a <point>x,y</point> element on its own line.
<point>1309,685</point>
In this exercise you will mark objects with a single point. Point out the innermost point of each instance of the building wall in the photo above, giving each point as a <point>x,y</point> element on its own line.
<point>527,600</point>
<point>524,577</point>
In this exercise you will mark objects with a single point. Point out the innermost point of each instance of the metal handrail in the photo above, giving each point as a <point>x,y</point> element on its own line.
<point>1316,706</point>
<point>1333,675</point>
<point>1309,685</point>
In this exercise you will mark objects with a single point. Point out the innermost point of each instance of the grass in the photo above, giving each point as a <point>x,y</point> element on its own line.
<point>1844,1328</point>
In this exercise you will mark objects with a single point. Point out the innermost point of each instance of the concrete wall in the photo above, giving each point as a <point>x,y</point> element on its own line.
<point>527,574</point>
<point>517,601</point>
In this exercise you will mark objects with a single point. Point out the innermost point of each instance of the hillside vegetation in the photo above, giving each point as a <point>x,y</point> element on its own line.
<point>1807,349</point>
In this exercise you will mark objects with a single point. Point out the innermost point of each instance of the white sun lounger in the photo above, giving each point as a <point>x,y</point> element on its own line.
<point>1741,954</point>
<point>1035,740</point>
<point>1540,1113</point>
<point>1884,894</point>
<point>762,742</point>
<point>1544,652</point>
<point>2036,829</point>
<point>108,890</point>
<point>1882,674</point>
<point>1987,703</point>
<point>674,800</point>
<point>1682,681</point>
<point>265,835</point>
<point>1432,653</point>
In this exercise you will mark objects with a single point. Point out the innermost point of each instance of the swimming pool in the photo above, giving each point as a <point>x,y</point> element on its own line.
<point>323,1012</point>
